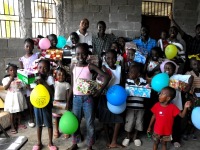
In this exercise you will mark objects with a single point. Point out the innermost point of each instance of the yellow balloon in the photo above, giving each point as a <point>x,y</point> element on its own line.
<point>39,96</point>
<point>171,51</point>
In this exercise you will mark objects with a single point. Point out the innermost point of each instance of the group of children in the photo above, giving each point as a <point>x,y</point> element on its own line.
<point>118,67</point>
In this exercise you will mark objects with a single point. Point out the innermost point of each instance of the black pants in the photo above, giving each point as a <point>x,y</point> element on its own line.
<point>176,133</point>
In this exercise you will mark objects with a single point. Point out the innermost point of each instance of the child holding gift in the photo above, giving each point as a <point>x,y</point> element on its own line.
<point>164,113</point>
<point>83,103</point>
<point>170,68</point>
<point>44,115</point>
<point>60,98</point>
<point>14,100</point>
<point>26,62</point>
<point>135,106</point>
<point>105,116</point>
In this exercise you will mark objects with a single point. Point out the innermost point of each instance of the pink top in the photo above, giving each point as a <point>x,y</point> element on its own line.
<point>28,62</point>
<point>80,72</point>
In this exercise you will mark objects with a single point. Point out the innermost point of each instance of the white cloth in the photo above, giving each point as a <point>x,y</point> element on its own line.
<point>116,75</point>
<point>50,80</point>
<point>60,90</point>
<point>14,100</point>
<point>178,99</point>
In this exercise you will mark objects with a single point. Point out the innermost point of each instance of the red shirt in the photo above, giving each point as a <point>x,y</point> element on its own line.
<point>164,118</point>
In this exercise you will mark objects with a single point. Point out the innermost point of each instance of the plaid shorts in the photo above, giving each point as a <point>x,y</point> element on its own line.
<point>161,138</point>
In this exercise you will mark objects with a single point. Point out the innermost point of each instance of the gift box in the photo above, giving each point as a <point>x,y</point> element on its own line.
<point>139,57</point>
<point>5,119</point>
<point>87,86</point>
<point>54,54</point>
<point>138,91</point>
<point>27,76</point>
<point>177,84</point>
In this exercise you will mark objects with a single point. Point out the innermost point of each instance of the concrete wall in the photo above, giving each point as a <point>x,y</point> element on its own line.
<point>198,12</point>
<point>186,14</point>
<point>123,17</point>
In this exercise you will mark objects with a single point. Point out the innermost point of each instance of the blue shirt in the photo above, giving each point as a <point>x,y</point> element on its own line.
<point>146,46</point>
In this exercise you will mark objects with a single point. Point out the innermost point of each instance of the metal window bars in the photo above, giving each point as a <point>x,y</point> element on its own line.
<point>9,19</point>
<point>43,17</point>
<point>152,8</point>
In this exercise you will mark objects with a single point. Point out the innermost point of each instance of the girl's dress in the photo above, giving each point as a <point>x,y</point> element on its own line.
<point>14,100</point>
<point>59,102</point>
<point>105,115</point>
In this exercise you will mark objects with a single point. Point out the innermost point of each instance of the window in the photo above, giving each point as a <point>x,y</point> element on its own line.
<point>43,17</point>
<point>9,19</point>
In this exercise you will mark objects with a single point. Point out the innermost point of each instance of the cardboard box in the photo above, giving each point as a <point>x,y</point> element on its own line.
<point>138,91</point>
<point>178,85</point>
<point>54,54</point>
<point>27,76</point>
<point>5,119</point>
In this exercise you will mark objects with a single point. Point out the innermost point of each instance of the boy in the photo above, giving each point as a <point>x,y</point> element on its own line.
<point>135,106</point>
<point>164,114</point>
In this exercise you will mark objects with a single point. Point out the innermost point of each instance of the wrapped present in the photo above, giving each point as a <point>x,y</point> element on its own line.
<point>5,119</point>
<point>138,91</point>
<point>55,54</point>
<point>177,84</point>
<point>93,59</point>
<point>139,57</point>
<point>87,86</point>
<point>27,76</point>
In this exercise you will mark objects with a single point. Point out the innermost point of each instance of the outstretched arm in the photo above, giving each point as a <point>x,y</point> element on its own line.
<point>151,123</point>
<point>183,113</point>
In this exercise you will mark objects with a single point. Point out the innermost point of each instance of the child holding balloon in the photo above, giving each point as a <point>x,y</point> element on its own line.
<point>14,100</point>
<point>83,101</point>
<point>170,69</point>
<point>44,115</point>
<point>105,115</point>
<point>60,98</point>
<point>135,106</point>
<point>164,113</point>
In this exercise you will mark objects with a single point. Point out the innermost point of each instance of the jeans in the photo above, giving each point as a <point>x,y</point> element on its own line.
<point>85,104</point>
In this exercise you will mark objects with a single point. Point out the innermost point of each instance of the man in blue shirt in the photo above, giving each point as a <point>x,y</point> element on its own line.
<point>145,42</point>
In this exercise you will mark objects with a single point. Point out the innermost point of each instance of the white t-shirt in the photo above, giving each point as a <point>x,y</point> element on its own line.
<point>178,99</point>
<point>60,90</point>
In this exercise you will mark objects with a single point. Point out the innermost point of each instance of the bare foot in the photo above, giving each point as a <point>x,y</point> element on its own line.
<point>73,147</point>
<point>114,145</point>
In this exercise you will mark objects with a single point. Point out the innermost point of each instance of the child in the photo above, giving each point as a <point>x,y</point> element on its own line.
<point>153,63</point>
<point>44,115</point>
<point>105,115</point>
<point>26,62</point>
<point>14,100</point>
<point>194,65</point>
<point>53,40</point>
<point>164,114</point>
<point>75,40</point>
<point>116,47</point>
<point>135,106</point>
<point>170,68</point>
<point>162,43</point>
<point>60,98</point>
<point>84,102</point>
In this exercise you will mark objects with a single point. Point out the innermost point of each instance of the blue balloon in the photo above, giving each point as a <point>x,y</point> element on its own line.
<point>116,95</point>
<point>116,109</point>
<point>160,81</point>
<point>196,117</point>
<point>61,42</point>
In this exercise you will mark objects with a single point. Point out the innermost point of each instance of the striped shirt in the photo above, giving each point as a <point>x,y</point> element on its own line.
<point>196,81</point>
<point>132,101</point>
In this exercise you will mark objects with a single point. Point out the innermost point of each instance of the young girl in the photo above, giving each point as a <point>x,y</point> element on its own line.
<point>105,115</point>
<point>162,42</point>
<point>60,98</point>
<point>26,62</point>
<point>116,47</point>
<point>84,102</point>
<point>14,100</point>
<point>44,115</point>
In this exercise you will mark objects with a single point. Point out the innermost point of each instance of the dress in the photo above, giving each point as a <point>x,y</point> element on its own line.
<point>14,100</point>
<point>104,113</point>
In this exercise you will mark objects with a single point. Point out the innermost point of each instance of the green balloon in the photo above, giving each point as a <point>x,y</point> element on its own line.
<point>68,123</point>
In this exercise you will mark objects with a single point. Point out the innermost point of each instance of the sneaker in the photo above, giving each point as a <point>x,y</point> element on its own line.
<point>31,124</point>
<point>137,142</point>
<point>194,137</point>
<point>126,142</point>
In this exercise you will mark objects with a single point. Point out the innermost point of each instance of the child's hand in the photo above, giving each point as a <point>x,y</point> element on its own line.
<point>149,130</point>
<point>187,104</point>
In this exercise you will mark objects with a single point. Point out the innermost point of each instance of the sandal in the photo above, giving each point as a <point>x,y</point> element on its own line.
<point>37,147</point>
<point>13,131</point>
<point>52,147</point>
<point>22,126</point>
<point>177,144</point>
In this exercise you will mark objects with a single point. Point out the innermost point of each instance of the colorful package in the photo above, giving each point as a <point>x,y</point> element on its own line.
<point>178,85</point>
<point>55,54</point>
<point>27,76</point>
<point>138,91</point>
<point>87,86</point>
<point>139,57</point>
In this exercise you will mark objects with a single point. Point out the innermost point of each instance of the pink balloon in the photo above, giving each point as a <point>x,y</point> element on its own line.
<point>166,61</point>
<point>44,43</point>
